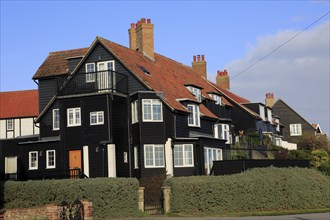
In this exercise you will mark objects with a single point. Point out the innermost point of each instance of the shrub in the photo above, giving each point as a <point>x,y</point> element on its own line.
<point>111,197</point>
<point>260,189</point>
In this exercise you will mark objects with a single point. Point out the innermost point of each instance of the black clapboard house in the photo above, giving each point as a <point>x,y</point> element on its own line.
<point>113,111</point>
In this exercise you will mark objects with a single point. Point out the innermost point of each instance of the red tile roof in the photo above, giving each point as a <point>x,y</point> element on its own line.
<point>166,75</point>
<point>56,63</point>
<point>19,104</point>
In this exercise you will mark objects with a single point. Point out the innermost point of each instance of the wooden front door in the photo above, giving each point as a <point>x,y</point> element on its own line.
<point>75,159</point>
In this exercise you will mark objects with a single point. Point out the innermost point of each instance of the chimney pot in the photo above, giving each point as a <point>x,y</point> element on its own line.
<point>149,21</point>
<point>203,57</point>
<point>194,57</point>
<point>143,20</point>
<point>198,58</point>
<point>218,72</point>
<point>132,25</point>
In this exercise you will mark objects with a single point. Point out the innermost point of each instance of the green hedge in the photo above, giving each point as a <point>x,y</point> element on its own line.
<point>111,197</point>
<point>261,189</point>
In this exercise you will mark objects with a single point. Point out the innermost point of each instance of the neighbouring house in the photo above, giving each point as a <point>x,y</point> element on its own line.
<point>18,110</point>
<point>295,125</point>
<point>114,111</point>
<point>249,118</point>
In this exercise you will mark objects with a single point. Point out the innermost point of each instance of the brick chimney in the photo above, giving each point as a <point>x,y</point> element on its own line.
<point>199,65</point>
<point>270,100</point>
<point>141,37</point>
<point>132,37</point>
<point>223,80</point>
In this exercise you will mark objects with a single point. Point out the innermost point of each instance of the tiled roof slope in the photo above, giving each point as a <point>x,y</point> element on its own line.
<point>19,104</point>
<point>56,63</point>
<point>166,75</point>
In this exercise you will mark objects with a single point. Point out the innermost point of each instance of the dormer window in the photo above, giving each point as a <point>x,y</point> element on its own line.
<point>194,116</point>
<point>217,99</point>
<point>196,92</point>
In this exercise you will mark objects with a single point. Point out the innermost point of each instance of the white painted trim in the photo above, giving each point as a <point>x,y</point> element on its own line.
<point>30,153</point>
<point>47,159</point>
<point>168,157</point>
<point>86,160</point>
<point>112,160</point>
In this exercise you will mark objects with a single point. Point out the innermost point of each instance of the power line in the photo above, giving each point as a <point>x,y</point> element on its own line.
<point>268,54</point>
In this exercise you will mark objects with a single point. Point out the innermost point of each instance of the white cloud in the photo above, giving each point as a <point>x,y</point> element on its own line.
<point>298,72</point>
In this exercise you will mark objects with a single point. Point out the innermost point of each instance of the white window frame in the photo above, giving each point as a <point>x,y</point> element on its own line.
<point>136,157</point>
<point>262,112</point>
<point>196,92</point>
<point>99,115</point>
<point>33,166</point>
<point>213,154</point>
<point>269,115</point>
<point>194,116</point>
<point>90,73</point>
<point>152,103</point>
<point>56,119</point>
<point>295,130</point>
<point>48,161</point>
<point>217,99</point>
<point>162,158</point>
<point>76,121</point>
<point>187,161</point>
<point>225,132</point>
<point>107,77</point>
<point>10,124</point>
<point>134,111</point>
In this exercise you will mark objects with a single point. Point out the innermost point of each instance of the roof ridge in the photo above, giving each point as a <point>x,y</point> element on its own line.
<point>69,50</point>
<point>26,90</point>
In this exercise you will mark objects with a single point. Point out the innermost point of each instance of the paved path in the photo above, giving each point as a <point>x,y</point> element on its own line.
<point>313,216</point>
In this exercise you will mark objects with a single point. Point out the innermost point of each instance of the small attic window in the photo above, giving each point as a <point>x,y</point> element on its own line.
<point>144,70</point>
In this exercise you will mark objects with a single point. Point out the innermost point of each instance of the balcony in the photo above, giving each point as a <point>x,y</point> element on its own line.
<point>100,81</point>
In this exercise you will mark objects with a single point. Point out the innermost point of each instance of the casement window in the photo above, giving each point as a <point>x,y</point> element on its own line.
<point>269,115</point>
<point>196,91</point>
<point>97,118</point>
<point>33,160</point>
<point>194,116</point>
<point>56,119</point>
<point>73,117</point>
<point>136,157</point>
<point>154,156</point>
<point>262,112</point>
<point>295,130</point>
<point>134,111</point>
<point>217,99</point>
<point>210,155</point>
<point>183,155</point>
<point>152,110</point>
<point>10,124</point>
<point>222,131</point>
<point>90,72</point>
<point>50,159</point>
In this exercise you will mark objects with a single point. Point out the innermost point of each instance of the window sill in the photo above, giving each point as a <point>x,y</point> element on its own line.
<point>154,167</point>
<point>187,166</point>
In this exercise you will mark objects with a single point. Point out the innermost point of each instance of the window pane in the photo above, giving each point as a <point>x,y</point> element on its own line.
<point>157,111</point>
<point>149,155</point>
<point>190,117</point>
<point>188,155</point>
<point>146,109</point>
<point>159,156</point>
<point>178,155</point>
<point>100,117</point>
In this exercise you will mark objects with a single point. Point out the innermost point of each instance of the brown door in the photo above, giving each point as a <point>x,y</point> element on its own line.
<point>74,161</point>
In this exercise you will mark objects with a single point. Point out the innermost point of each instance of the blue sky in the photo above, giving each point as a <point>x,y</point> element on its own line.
<point>231,34</point>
